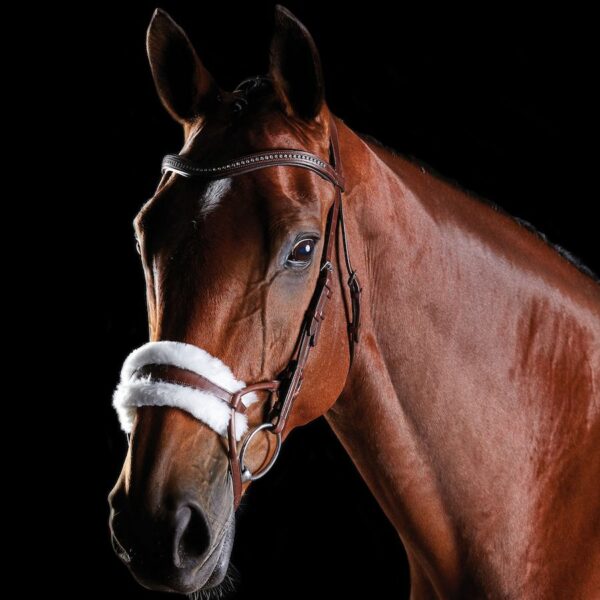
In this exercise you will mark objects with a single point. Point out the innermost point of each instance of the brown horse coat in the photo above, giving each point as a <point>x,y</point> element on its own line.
<point>472,406</point>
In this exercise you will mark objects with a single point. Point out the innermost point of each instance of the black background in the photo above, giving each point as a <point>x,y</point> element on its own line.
<point>499,102</point>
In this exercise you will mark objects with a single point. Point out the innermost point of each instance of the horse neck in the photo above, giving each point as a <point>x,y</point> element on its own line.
<point>473,376</point>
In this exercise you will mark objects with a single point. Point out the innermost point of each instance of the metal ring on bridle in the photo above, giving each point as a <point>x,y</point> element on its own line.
<point>247,475</point>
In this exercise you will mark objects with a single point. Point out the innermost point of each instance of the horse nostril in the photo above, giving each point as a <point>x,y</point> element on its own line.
<point>192,536</point>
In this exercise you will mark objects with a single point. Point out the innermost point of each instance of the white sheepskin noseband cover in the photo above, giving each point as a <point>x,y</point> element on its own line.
<point>135,390</point>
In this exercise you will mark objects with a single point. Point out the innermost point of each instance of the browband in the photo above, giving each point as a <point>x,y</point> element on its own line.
<point>252,162</point>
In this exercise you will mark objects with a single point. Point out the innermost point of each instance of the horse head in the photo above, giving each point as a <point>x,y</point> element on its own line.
<point>231,266</point>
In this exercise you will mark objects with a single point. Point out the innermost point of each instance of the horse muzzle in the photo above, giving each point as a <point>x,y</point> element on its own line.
<point>177,546</point>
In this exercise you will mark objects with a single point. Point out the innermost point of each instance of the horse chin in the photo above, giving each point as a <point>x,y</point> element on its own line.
<point>209,574</point>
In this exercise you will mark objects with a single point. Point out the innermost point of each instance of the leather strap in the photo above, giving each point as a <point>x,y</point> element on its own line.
<point>290,381</point>
<point>179,376</point>
<point>278,157</point>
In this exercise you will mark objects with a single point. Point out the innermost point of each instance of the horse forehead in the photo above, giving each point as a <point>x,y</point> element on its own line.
<point>287,192</point>
<point>281,199</point>
<point>281,190</point>
<point>214,194</point>
<point>281,196</point>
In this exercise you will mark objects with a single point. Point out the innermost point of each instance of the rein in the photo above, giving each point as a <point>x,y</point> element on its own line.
<point>288,385</point>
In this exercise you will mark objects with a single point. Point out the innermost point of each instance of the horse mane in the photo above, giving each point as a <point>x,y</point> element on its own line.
<point>566,254</point>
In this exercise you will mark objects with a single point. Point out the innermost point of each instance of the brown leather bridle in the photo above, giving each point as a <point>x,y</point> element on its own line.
<point>287,386</point>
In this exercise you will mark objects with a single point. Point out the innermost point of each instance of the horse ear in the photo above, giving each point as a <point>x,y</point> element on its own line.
<point>295,67</point>
<point>184,86</point>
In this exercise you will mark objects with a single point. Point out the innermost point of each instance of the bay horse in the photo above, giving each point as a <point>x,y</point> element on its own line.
<point>468,398</point>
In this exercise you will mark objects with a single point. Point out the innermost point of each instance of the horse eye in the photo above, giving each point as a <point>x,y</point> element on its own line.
<point>138,247</point>
<point>302,252</point>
